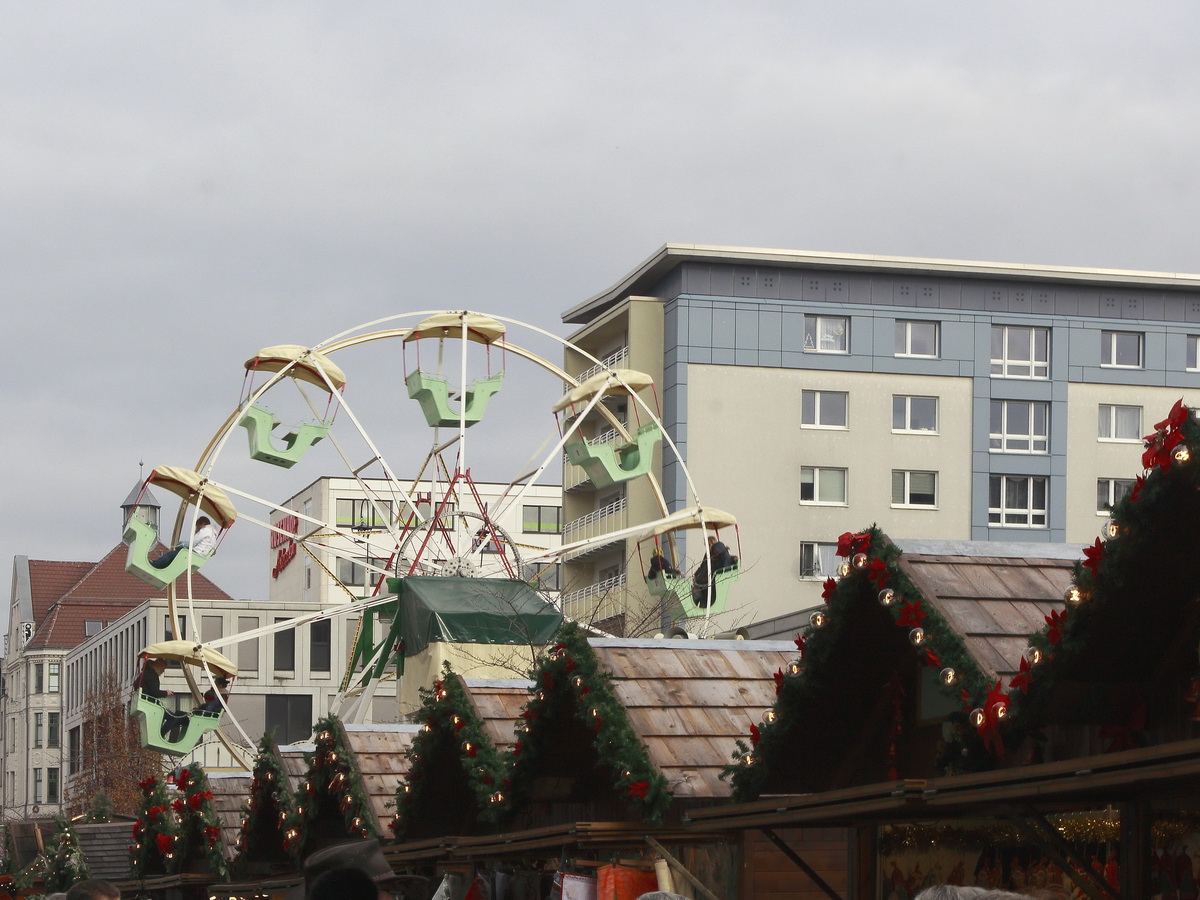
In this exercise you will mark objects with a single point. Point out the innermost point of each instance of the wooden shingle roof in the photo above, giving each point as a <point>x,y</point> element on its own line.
<point>995,602</point>
<point>105,846</point>
<point>498,703</point>
<point>294,764</point>
<point>690,700</point>
<point>231,791</point>
<point>379,751</point>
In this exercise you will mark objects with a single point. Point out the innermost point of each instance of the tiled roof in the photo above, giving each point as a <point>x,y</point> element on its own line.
<point>995,603</point>
<point>690,700</point>
<point>66,594</point>
<point>379,751</point>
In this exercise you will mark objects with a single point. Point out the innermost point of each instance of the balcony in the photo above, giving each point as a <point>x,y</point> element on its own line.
<point>613,361</point>
<point>596,602</point>
<point>612,517</point>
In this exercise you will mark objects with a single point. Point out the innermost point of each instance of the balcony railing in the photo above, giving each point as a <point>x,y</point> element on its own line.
<point>612,361</point>
<point>598,601</point>
<point>612,517</point>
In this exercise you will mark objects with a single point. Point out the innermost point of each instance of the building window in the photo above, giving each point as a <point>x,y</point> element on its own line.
<point>360,571</point>
<point>52,785</point>
<point>919,414</point>
<point>914,488</point>
<point>363,515</point>
<point>169,634</point>
<point>37,785</point>
<point>37,729</point>
<point>541,519</point>
<point>818,560</point>
<point>1017,501</point>
<point>823,409</point>
<point>822,485</point>
<point>92,627</point>
<point>52,729</point>
<point>1110,491</point>
<point>1020,351</point>
<point>320,645</point>
<point>74,749</point>
<point>917,339</point>
<point>285,649</point>
<point>1119,423</point>
<point>247,651</point>
<point>543,577</point>
<point>1122,349</point>
<point>1193,353</point>
<point>53,678</point>
<point>1020,426</point>
<point>39,682</point>
<point>290,715</point>
<point>826,334</point>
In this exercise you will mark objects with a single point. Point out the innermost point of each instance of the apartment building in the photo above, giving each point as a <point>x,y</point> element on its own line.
<point>812,394</point>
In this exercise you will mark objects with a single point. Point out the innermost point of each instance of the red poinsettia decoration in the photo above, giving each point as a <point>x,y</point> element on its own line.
<point>932,659</point>
<point>989,730</point>
<point>1021,680</point>
<point>852,542</point>
<point>801,643</point>
<point>828,589</point>
<point>148,785</point>
<point>1123,736</point>
<point>164,843</point>
<point>547,681</point>
<point>1093,555</point>
<point>638,789</point>
<point>212,834</point>
<point>1138,484</point>
<point>911,614</point>
<point>1055,623</point>
<point>755,735</point>
<point>1160,446</point>
<point>877,571</point>
<point>778,680</point>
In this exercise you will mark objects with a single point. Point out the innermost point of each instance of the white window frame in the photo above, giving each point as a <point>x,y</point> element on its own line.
<point>818,560</point>
<point>908,399</point>
<point>1038,441</point>
<point>1030,512</point>
<point>1193,353</point>
<point>904,338</point>
<point>1004,365</point>
<point>816,333</point>
<point>1107,418</point>
<point>816,483</point>
<point>1108,348</point>
<point>1112,494</point>
<point>907,491</point>
<point>817,407</point>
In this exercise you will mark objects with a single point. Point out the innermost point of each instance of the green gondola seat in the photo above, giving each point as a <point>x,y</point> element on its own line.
<point>259,423</point>
<point>687,604</point>
<point>433,393</point>
<point>608,464</point>
<point>151,714</point>
<point>141,539</point>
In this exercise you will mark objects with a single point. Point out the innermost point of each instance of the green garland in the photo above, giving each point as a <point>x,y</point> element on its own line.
<point>451,730</point>
<point>270,829</point>
<point>67,865</point>
<point>1141,574</point>
<point>872,567</point>
<point>331,803</point>
<point>201,828</point>
<point>568,682</point>
<point>156,833</point>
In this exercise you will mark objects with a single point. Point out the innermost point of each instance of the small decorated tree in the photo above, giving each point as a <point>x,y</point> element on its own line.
<point>270,835</point>
<point>156,833</point>
<point>331,804</point>
<point>65,860</point>
<point>454,768</point>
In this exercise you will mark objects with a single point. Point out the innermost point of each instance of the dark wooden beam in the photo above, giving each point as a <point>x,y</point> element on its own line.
<point>803,866</point>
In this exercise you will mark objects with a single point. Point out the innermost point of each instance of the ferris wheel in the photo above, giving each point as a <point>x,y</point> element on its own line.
<point>401,413</point>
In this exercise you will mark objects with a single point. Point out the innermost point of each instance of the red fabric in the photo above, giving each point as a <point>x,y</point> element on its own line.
<point>624,883</point>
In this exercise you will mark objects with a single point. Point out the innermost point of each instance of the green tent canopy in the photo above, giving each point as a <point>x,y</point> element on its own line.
<point>471,611</point>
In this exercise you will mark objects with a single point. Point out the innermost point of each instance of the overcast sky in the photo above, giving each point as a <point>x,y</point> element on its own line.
<point>181,184</point>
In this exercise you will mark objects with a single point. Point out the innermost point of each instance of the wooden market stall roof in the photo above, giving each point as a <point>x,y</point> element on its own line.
<point>993,594</point>
<point>231,792</point>
<point>689,701</point>
<point>498,703</point>
<point>293,760</point>
<point>380,751</point>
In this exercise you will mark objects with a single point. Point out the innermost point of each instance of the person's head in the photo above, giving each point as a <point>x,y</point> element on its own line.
<point>57,895</point>
<point>222,683</point>
<point>365,857</point>
<point>93,889</point>
<point>202,522</point>
<point>158,664</point>
<point>712,539</point>
<point>950,892</point>
<point>345,883</point>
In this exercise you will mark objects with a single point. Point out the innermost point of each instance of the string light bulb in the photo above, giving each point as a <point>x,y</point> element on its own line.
<point>1182,454</point>
<point>978,717</point>
<point>1034,655</point>
<point>748,759</point>
<point>916,636</point>
<point>770,716</point>
<point>948,676</point>
<point>1111,528</point>
<point>844,569</point>
<point>1073,596</point>
<point>794,668</point>
<point>817,619</point>
<point>887,597</point>
<point>859,560</point>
